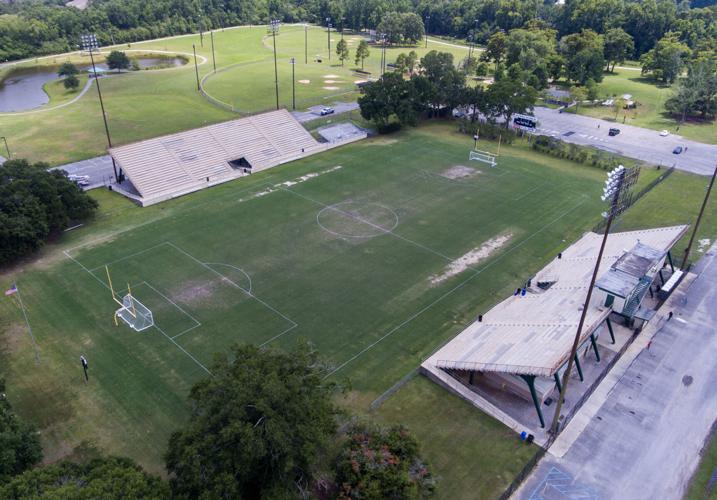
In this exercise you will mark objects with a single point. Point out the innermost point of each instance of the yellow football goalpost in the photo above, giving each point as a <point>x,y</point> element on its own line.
<point>131,311</point>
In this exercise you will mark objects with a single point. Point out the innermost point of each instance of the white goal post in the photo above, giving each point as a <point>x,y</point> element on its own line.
<point>135,314</point>
<point>483,156</point>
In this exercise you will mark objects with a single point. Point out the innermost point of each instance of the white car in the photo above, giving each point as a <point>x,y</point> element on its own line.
<point>327,111</point>
<point>664,133</point>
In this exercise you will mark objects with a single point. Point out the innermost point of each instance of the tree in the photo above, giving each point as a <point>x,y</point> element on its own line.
<point>411,61</point>
<point>71,82</point>
<point>618,47</point>
<point>667,59</point>
<point>506,97</point>
<point>579,94</point>
<point>118,60</point>
<point>496,48</point>
<point>392,26</point>
<point>342,50</point>
<point>618,104</point>
<point>362,52</point>
<point>412,27</point>
<point>19,442</point>
<point>402,63</point>
<point>67,69</point>
<point>111,477</point>
<point>382,463</point>
<point>697,93</point>
<point>256,426</point>
<point>583,53</point>
<point>448,82</point>
<point>35,203</point>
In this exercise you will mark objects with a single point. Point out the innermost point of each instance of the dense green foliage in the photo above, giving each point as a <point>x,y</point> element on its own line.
<point>382,463</point>
<point>697,93</point>
<point>19,442</point>
<point>111,477</point>
<point>44,27</point>
<point>118,60</point>
<point>256,426</point>
<point>34,204</point>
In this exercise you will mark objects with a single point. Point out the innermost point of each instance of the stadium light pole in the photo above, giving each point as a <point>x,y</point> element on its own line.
<point>214,60</point>
<point>428,18</point>
<point>293,83</point>
<point>196,68</point>
<point>617,193</point>
<point>89,43</point>
<point>699,219</point>
<point>274,28</point>
<point>9,156</point>
<point>328,35</point>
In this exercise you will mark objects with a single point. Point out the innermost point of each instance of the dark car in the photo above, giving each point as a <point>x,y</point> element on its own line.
<point>613,132</point>
<point>677,150</point>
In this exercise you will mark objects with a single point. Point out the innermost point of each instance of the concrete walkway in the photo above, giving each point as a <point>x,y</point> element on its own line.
<point>644,437</point>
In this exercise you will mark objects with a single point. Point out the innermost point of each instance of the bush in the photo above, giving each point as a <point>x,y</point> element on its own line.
<point>19,442</point>
<point>573,152</point>
<point>382,463</point>
<point>486,130</point>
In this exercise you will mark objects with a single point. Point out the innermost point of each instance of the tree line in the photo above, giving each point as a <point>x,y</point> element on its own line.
<point>264,425</point>
<point>47,26</point>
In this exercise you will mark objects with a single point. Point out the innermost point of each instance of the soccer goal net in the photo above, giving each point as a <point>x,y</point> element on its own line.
<point>135,314</point>
<point>483,156</point>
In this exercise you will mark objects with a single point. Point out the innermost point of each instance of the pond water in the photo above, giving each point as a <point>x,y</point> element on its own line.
<point>23,88</point>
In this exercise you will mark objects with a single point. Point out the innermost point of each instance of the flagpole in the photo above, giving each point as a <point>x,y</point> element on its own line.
<point>27,322</point>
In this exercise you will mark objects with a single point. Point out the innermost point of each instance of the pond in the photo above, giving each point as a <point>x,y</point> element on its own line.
<point>23,90</point>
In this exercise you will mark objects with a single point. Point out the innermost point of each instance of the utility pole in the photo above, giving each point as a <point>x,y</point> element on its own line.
<point>617,192</point>
<point>214,60</point>
<point>293,83</point>
<point>274,28</point>
<point>699,219</point>
<point>328,35</point>
<point>196,68</point>
<point>89,43</point>
<point>306,44</point>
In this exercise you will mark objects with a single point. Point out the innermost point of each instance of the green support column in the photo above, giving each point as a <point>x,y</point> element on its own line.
<point>580,370</point>
<point>609,328</point>
<point>470,379</point>
<point>662,278</point>
<point>557,382</point>
<point>530,380</point>
<point>592,341</point>
<point>669,259</point>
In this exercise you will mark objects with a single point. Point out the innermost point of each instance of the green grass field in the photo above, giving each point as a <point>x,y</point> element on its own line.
<point>700,487</point>
<point>146,104</point>
<point>342,257</point>
<point>650,112</point>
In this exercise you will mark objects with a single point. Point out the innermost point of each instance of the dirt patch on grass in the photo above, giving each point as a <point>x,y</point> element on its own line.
<point>195,292</point>
<point>471,258</point>
<point>459,172</point>
<point>703,245</point>
<point>330,88</point>
<point>11,338</point>
<point>381,141</point>
<point>305,82</point>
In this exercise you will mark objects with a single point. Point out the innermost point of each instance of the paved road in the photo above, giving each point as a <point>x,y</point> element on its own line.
<point>314,112</point>
<point>99,170</point>
<point>634,142</point>
<point>645,440</point>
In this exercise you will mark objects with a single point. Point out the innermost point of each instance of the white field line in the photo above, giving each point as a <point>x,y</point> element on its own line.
<point>449,292</point>
<point>530,191</point>
<point>369,223</point>
<point>127,257</point>
<point>196,321</point>
<point>236,269</point>
<point>204,264</point>
<point>105,285</point>
<point>278,336</point>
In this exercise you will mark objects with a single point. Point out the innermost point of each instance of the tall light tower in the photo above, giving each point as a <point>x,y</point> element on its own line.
<point>274,28</point>
<point>428,18</point>
<point>293,83</point>
<point>7,148</point>
<point>328,35</point>
<point>617,192</point>
<point>89,43</point>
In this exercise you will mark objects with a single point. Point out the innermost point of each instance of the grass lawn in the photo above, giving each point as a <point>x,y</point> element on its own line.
<point>146,104</point>
<point>343,259</point>
<point>700,487</point>
<point>650,112</point>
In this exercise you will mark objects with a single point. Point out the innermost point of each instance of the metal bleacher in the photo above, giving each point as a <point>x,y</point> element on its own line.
<point>165,167</point>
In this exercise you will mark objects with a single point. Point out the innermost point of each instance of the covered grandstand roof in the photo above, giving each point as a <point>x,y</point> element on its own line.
<point>176,164</point>
<point>533,334</point>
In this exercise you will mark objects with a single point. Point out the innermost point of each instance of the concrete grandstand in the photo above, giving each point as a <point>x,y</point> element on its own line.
<point>165,167</point>
<point>515,354</point>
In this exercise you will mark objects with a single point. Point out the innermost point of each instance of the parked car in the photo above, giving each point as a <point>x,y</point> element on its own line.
<point>613,132</point>
<point>327,111</point>
<point>664,133</point>
<point>677,150</point>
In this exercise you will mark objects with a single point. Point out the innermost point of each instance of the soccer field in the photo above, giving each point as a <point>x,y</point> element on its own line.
<point>377,253</point>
